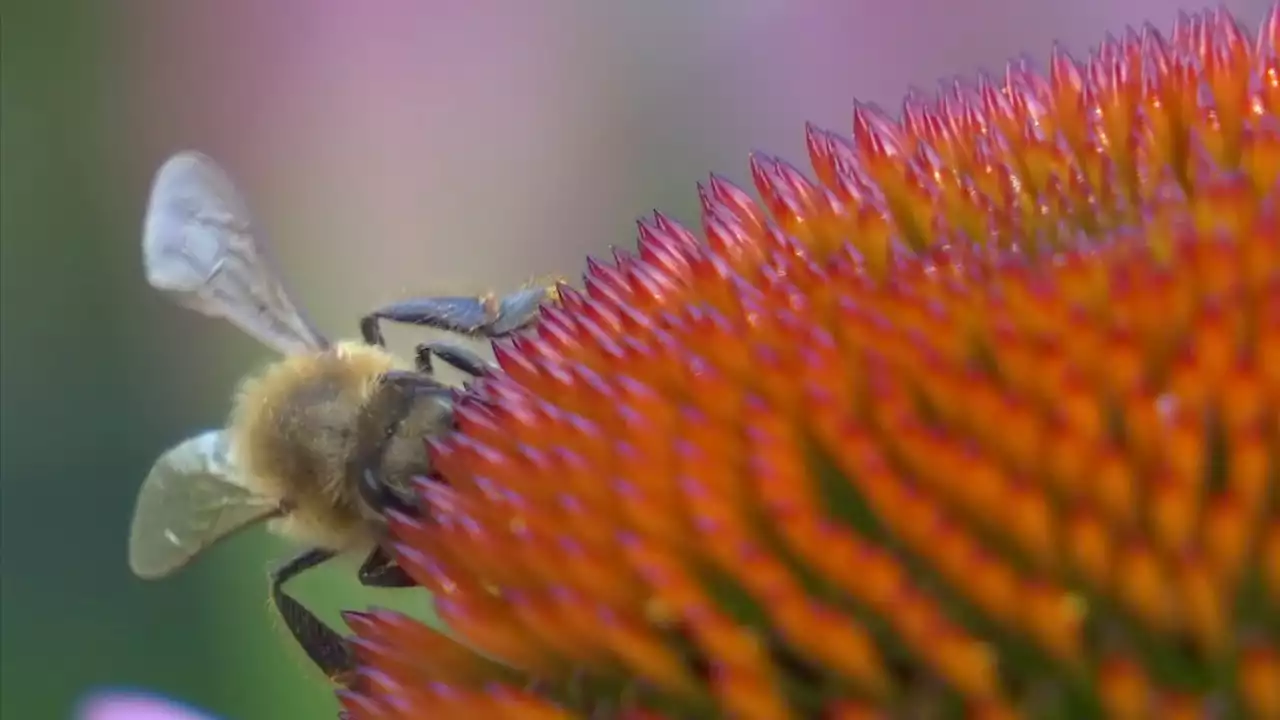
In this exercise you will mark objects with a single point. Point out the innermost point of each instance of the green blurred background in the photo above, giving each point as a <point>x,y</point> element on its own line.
<point>386,149</point>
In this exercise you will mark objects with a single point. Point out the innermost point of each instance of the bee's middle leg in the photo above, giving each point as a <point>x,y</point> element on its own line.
<point>455,356</point>
<point>380,570</point>
<point>325,647</point>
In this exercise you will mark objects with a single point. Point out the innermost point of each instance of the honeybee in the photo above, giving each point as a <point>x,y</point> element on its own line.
<point>319,445</point>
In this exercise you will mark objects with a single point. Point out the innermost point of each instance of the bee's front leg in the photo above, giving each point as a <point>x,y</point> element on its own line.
<point>382,498</point>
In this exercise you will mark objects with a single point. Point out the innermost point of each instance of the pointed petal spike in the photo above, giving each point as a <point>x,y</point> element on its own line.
<point>744,208</point>
<point>675,230</point>
<point>1267,45</point>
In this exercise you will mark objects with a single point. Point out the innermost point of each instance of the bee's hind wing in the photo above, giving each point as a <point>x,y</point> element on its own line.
<point>189,501</point>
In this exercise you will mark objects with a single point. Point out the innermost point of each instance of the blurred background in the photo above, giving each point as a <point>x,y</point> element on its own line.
<point>386,148</point>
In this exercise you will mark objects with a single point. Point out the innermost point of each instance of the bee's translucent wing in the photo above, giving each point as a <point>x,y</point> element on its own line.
<point>190,500</point>
<point>197,244</point>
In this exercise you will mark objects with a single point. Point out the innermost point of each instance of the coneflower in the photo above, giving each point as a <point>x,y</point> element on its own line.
<point>981,420</point>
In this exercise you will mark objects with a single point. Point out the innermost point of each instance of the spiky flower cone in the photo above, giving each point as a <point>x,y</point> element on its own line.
<point>985,422</point>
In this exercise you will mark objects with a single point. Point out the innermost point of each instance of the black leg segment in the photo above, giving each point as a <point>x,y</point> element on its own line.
<point>323,645</point>
<point>379,570</point>
<point>455,356</point>
<point>484,316</point>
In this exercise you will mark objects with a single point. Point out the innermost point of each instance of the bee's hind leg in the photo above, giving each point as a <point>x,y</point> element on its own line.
<point>455,356</point>
<point>481,316</point>
<point>325,647</point>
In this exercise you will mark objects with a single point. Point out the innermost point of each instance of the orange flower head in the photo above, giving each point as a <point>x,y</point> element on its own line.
<point>981,420</point>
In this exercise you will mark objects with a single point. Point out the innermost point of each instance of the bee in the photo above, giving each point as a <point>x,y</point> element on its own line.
<point>320,445</point>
